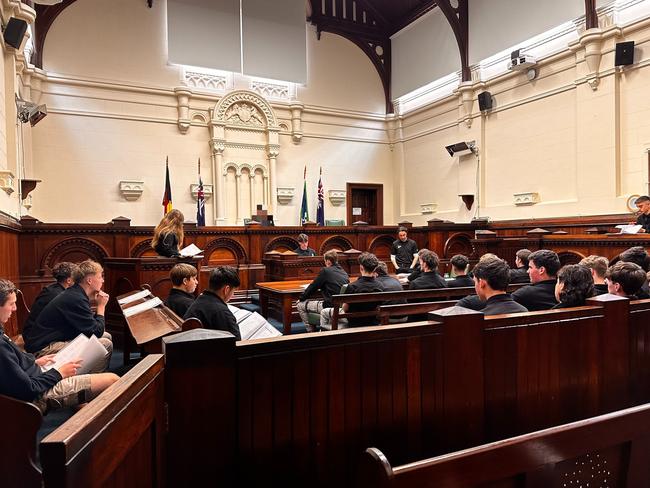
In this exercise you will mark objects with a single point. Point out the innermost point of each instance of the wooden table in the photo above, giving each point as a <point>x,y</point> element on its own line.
<point>277,299</point>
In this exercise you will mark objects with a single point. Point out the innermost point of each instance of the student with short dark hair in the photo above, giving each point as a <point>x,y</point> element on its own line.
<point>70,314</point>
<point>329,281</point>
<point>643,204</point>
<point>184,279</point>
<point>429,278</point>
<point>598,266</point>
<point>520,273</point>
<point>540,295</point>
<point>62,273</point>
<point>303,248</point>
<point>625,279</point>
<point>22,377</point>
<point>638,255</point>
<point>211,306</point>
<point>491,278</point>
<point>459,265</point>
<point>574,285</point>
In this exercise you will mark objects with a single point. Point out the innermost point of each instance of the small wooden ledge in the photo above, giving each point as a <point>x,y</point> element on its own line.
<point>26,186</point>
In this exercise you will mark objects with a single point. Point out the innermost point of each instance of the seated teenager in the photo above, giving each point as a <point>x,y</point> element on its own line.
<point>459,266</point>
<point>23,379</point>
<point>543,268</point>
<point>62,273</point>
<point>366,283</point>
<point>598,266</point>
<point>491,277</point>
<point>168,235</point>
<point>69,315</point>
<point>625,279</point>
<point>211,306</point>
<point>303,248</point>
<point>329,282</point>
<point>639,256</point>
<point>474,302</point>
<point>184,282</point>
<point>417,271</point>
<point>520,274</point>
<point>574,285</point>
<point>429,278</point>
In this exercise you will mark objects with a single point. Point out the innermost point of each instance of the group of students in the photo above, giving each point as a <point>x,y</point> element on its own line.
<point>551,285</point>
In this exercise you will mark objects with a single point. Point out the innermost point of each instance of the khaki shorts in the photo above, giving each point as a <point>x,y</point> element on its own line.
<point>68,392</point>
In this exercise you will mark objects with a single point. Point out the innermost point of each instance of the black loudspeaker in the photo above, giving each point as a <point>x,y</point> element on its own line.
<point>485,101</point>
<point>14,32</point>
<point>624,53</point>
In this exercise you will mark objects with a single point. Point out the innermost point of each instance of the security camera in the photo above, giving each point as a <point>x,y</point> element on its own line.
<point>30,112</point>
<point>462,148</point>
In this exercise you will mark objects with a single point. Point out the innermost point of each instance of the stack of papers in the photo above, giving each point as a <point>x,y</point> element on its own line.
<point>88,349</point>
<point>134,297</point>
<point>190,251</point>
<point>252,325</point>
<point>141,307</point>
<point>629,228</point>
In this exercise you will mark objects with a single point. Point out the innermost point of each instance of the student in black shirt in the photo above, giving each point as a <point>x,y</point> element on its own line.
<point>69,315</point>
<point>459,265</point>
<point>543,268</point>
<point>366,283</point>
<point>23,379</point>
<point>211,306</point>
<point>168,235</point>
<point>429,278</point>
<point>62,273</point>
<point>491,279</point>
<point>303,248</point>
<point>625,279</point>
<point>404,252</point>
<point>643,204</point>
<point>184,282</point>
<point>598,266</point>
<point>520,274</point>
<point>574,285</point>
<point>329,282</point>
<point>639,256</point>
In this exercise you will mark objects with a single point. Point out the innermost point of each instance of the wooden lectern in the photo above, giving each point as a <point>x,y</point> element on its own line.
<point>289,266</point>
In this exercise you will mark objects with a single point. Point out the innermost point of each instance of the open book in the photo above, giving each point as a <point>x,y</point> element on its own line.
<point>88,349</point>
<point>191,250</point>
<point>252,325</point>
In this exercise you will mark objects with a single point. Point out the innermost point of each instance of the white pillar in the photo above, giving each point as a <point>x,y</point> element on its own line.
<point>273,182</point>
<point>219,209</point>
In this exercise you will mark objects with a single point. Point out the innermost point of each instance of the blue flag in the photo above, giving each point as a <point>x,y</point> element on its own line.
<point>320,210</point>
<point>304,211</point>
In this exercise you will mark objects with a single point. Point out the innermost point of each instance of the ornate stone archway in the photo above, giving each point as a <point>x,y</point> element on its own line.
<point>244,134</point>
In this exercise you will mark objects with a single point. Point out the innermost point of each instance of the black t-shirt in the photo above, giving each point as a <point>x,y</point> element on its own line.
<point>306,252</point>
<point>403,252</point>
<point>644,220</point>
<point>364,284</point>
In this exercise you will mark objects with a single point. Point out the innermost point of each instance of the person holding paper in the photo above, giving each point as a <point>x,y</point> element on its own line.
<point>62,273</point>
<point>22,377</point>
<point>168,235</point>
<point>69,315</point>
<point>643,204</point>
<point>211,306</point>
<point>184,282</point>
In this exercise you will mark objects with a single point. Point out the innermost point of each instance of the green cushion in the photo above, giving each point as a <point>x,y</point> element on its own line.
<point>335,222</point>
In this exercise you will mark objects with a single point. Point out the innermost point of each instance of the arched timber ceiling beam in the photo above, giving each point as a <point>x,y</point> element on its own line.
<point>45,17</point>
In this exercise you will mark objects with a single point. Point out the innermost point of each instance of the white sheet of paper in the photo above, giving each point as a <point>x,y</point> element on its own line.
<point>629,229</point>
<point>239,313</point>
<point>190,250</point>
<point>89,350</point>
<point>255,327</point>
<point>134,297</point>
<point>141,307</point>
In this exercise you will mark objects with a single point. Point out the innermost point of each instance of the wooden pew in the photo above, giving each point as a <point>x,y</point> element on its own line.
<point>299,409</point>
<point>116,440</point>
<point>608,450</point>
<point>386,312</point>
<point>408,295</point>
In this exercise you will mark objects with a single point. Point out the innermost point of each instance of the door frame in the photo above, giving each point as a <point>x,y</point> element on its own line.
<point>378,187</point>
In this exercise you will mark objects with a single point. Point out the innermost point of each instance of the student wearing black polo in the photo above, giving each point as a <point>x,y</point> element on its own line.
<point>184,282</point>
<point>429,278</point>
<point>491,279</point>
<point>404,252</point>
<point>598,266</point>
<point>574,285</point>
<point>520,273</point>
<point>459,265</point>
<point>303,248</point>
<point>640,257</point>
<point>540,295</point>
<point>625,279</point>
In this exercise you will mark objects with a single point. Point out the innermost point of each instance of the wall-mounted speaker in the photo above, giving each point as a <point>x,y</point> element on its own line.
<point>14,32</point>
<point>624,53</point>
<point>485,101</point>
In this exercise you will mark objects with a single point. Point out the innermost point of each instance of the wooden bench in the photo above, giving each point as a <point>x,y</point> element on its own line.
<point>436,294</point>
<point>116,440</point>
<point>300,409</point>
<point>608,450</point>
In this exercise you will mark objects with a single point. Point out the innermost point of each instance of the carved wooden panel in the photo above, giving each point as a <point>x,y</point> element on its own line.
<point>458,244</point>
<point>75,250</point>
<point>338,243</point>
<point>380,246</point>
<point>281,244</point>
<point>224,251</point>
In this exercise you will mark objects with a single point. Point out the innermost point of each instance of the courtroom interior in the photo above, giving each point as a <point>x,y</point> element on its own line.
<point>325,243</point>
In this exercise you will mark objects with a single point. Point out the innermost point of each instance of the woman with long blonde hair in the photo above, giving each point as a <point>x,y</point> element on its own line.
<point>168,235</point>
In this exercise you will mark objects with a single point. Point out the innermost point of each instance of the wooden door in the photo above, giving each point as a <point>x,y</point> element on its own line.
<point>365,202</point>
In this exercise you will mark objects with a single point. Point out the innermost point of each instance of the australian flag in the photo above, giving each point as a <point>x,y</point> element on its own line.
<point>320,210</point>
<point>200,202</point>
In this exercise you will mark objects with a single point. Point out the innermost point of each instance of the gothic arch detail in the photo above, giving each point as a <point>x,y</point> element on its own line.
<point>140,248</point>
<point>234,247</point>
<point>335,242</point>
<point>281,242</point>
<point>570,257</point>
<point>73,249</point>
<point>459,243</point>
<point>381,245</point>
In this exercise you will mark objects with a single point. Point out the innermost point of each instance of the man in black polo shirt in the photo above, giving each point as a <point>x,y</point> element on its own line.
<point>211,306</point>
<point>520,274</point>
<point>491,278</point>
<point>459,265</point>
<point>598,266</point>
<point>366,283</point>
<point>329,281</point>
<point>543,268</point>
<point>404,252</point>
<point>303,248</point>
<point>429,278</point>
<point>643,204</point>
